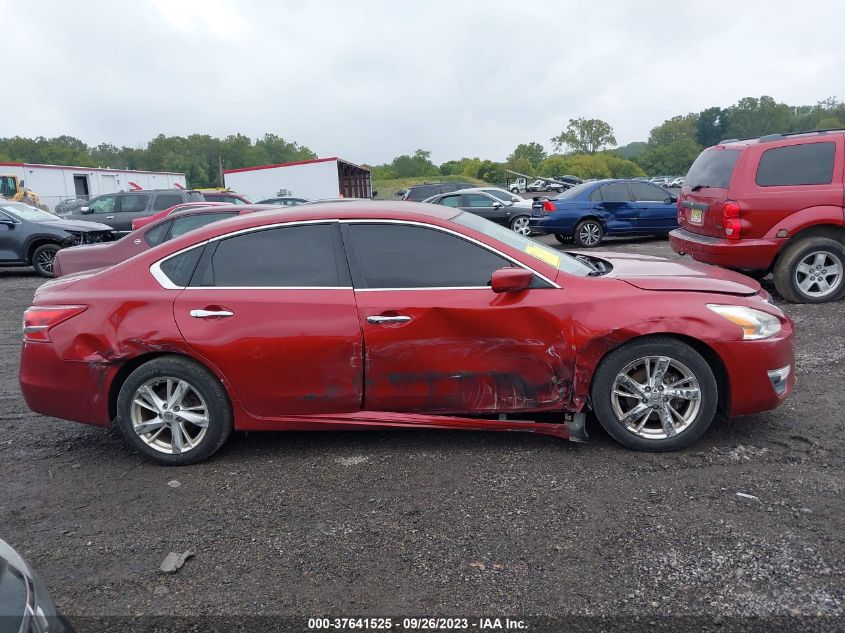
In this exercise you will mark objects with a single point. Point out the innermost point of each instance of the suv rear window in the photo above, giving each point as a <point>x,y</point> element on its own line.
<point>417,194</point>
<point>807,164</point>
<point>712,168</point>
<point>193,196</point>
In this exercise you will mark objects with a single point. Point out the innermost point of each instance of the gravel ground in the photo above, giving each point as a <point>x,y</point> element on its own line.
<point>451,523</point>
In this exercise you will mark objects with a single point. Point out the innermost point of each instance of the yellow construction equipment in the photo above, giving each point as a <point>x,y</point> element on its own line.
<point>13,189</point>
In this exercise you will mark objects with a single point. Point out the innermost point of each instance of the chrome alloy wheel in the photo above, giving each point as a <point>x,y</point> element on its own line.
<point>589,234</point>
<point>819,274</point>
<point>44,261</point>
<point>169,415</point>
<point>520,225</point>
<point>656,397</point>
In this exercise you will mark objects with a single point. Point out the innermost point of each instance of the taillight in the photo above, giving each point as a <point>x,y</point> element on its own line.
<point>548,206</point>
<point>38,320</point>
<point>731,220</point>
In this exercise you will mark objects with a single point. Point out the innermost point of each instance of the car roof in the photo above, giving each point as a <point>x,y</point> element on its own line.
<point>739,143</point>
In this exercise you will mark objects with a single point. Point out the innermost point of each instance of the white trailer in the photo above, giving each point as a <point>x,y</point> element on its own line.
<point>54,183</point>
<point>311,179</point>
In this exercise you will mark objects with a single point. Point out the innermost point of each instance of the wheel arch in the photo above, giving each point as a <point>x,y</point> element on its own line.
<point>708,353</point>
<point>132,364</point>
<point>37,241</point>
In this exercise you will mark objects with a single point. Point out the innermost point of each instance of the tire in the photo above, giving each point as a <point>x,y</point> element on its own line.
<point>694,415</point>
<point>42,259</point>
<point>520,225</point>
<point>588,233</point>
<point>515,190</point>
<point>811,270</point>
<point>205,395</point>
<point>563,238</point>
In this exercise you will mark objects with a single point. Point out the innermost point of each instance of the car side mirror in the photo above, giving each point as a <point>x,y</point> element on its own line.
<point>497,205</point>
<point>671,200</point>
<point>511,279</point>
<point>85,209</point>
<point>6,221</point>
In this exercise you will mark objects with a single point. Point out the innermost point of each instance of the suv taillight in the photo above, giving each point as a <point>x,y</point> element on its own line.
<point>680,212</point>
<point>731,220</point>
<point>37,320</point>
<point>548,206</point>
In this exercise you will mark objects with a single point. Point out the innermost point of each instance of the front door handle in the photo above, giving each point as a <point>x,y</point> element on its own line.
<point>208,314</point>
<point>109,217</point>
<point>388,319</point>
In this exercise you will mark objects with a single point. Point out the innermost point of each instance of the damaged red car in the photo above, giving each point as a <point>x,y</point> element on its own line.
<point>366,315</point>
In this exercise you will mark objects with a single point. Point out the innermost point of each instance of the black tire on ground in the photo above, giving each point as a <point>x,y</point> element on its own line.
<point>588,233</point>
<point>788,274</point>
<point>563,238</point>
<point>620,358</point>
<point>42,259</point>
<point>206,384</point>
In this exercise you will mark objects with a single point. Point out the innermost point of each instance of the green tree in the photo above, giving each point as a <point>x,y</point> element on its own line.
<point>674,158</point>
<point>585,135</point>
<point>531,152</point>
<point>751,117</point>
<point>417,165</point>
<point>631,150</point>
<point>711,126</point>
<point>674,129</point>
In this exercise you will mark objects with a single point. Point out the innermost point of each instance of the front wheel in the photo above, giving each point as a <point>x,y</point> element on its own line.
<point>174,411</point>
<point>811,271</point>
<point>655,394</point>
<point>520,225</point>
<point>42,259</point>
<point>588,233</point>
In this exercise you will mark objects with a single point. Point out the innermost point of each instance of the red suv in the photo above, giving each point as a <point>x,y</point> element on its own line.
<point>773,204</point>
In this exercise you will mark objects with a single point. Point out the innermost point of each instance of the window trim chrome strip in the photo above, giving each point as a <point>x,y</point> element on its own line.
<point>167,284</point>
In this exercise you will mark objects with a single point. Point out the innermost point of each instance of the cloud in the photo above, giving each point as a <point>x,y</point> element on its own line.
<point>372,79</point>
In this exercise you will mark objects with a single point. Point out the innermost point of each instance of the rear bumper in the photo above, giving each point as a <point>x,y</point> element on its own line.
<point>544,225</point>
<point>753,254</point>
<point>70,390</point>
<point>757,372</point>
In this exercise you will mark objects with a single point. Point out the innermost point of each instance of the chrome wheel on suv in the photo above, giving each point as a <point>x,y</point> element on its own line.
<point>811,270</point>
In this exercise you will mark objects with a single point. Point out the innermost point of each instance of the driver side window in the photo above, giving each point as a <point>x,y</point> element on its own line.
<point>408,256</point>
<point>104,204</point>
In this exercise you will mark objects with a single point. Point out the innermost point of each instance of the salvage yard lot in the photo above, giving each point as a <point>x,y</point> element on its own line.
<point>431,522</point>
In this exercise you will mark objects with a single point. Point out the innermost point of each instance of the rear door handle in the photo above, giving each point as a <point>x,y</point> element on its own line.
<point>388,319</point>
<point>208,314</point>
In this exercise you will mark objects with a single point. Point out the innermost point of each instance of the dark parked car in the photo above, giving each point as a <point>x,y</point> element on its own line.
<point>284,201</point>
<point>32,237</point>
<point>773,204</point>
<point>487,206</point>
<point>418,193</point>
<point>119,209</point>
<point>368,315</point>
<point>25,604</point>
<point>589,211</point>
<point>82,258</point>
<point>69,205</point>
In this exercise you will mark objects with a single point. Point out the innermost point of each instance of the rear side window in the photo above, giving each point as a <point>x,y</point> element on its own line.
<point>165,201</point>
<point>133,204</point>
<point>450,201</point>
<point>421,193</point>
<point>405,256</point>
<point>190,222</point>
<point>477,200</point>
<point>808,164</point>
<point>293,256</point>
<point>615,192</point>
<point>713,168</point>
<point>180,268</point>
<point>193,196</point>
<point>156,235</point>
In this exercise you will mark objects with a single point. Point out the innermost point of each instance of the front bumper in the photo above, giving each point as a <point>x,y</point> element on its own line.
<point>743,254</point>
<point>760,374</point>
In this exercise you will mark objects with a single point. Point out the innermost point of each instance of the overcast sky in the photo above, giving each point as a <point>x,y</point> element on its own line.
<point>368,80</point>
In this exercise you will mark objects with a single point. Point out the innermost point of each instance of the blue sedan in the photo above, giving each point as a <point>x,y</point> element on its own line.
<point>589,211</point>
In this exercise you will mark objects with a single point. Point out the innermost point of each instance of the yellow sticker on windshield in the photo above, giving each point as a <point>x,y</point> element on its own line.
<point>543,255</point>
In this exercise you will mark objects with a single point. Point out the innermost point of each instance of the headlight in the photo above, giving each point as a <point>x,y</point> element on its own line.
<point>755,324</point>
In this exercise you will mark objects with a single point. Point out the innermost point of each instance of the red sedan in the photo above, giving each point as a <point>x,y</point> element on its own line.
<point>93,256</point>
<point>137,223</point>
<point>363,315</point>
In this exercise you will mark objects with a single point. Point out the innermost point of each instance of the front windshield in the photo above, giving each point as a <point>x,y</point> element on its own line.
<point>573,191</point>
<point>26,212</point>
<point>561,261</point>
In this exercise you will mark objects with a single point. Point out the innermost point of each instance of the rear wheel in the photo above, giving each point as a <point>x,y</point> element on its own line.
<point>520,225</point>
<point>174,411</point>
<point>811,270</point>
<point>655,394</point>
<point>588,233</point>
<point>42,259</point>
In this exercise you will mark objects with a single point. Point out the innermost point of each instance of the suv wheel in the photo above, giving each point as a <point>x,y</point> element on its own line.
<point>811,270</point>
<point>42,259</point>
